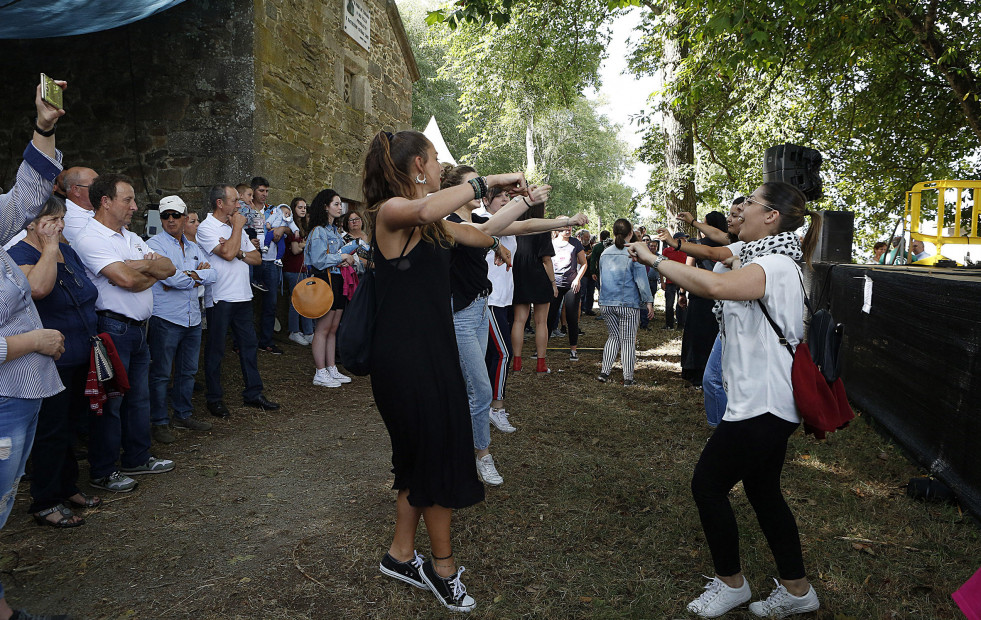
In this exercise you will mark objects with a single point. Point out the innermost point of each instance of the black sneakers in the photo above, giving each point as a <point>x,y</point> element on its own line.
<point>409,572</point>
<point>449,590</point>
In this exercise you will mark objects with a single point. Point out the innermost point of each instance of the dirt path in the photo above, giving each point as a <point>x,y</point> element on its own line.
<point>286,514</point>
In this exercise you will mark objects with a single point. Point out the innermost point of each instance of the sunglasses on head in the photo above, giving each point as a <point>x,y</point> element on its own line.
<point>166,215</point>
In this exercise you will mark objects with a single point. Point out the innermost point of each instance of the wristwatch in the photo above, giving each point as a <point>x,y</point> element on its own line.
<point>657,261</point>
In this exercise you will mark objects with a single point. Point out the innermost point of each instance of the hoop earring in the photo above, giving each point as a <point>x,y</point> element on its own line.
<point>420,181</point>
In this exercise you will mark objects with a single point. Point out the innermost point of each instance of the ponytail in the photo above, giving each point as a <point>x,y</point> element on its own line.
<point>812,236</point>
<point>622,228</point>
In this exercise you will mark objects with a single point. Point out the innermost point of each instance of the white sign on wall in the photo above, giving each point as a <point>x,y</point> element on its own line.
<point>357,22</point>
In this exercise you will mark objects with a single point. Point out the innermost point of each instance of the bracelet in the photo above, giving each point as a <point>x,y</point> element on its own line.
<point>496,244</point>
<point>526,202</point>
<point>476,189</point>
<point>41,132</point>
<point>657,261</point>
<point>679,244</point>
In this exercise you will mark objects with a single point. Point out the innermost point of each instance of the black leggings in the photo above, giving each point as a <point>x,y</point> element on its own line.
<point>571,313</point>
<point>753,451</point>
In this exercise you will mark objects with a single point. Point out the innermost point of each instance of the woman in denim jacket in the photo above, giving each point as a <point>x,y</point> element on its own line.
<point>323,253</point>
<point>623,289</point>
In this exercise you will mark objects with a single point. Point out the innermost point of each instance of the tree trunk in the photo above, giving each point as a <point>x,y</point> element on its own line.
<point>680,150</point>
<point>530,147</point>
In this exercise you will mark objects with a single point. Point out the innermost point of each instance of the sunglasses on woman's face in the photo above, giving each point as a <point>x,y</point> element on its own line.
<point>166,215</point>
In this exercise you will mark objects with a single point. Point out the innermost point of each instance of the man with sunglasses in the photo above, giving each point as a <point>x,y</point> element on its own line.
<point>175,327</point>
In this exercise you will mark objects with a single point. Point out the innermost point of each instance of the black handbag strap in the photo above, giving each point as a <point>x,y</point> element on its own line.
<point>773,324</point>
<point>78,306</point>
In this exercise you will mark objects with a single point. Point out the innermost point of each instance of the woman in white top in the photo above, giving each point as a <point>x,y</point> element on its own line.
<point>751,441</point>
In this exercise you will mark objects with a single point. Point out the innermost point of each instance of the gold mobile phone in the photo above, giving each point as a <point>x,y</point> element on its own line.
<point>51,92</point>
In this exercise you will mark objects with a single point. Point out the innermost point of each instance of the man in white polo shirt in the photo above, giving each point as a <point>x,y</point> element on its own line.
<point>230,253</point>
<point>78,206</point>
<point>123,268</point>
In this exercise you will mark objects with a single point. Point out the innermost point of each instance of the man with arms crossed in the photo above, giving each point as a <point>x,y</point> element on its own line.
<point>123,268</point>
<point>230,253</point>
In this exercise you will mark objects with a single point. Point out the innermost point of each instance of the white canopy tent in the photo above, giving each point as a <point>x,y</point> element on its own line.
<point>435,136</point>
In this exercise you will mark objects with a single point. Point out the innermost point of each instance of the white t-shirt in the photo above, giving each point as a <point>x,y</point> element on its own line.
<point>734,248</point>
<point>755,366</point>
<point>98,247</point>
<point>502,278</point>
<point>233,275</point>
<point>76,218</point>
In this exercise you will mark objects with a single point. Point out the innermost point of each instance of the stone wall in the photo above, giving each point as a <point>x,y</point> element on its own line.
<point>218,91</point>
<point>168,100</point>
<point>312,135</point>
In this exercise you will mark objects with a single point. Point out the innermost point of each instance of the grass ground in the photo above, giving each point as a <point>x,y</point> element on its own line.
<point>285,515</point>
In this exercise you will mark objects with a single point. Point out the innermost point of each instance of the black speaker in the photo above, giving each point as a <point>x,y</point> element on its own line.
<point>835,243</point>
<point>796,165</point>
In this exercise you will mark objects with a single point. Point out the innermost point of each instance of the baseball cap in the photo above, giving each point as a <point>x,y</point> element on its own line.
<point>680,235</point>
<point>172,203</point>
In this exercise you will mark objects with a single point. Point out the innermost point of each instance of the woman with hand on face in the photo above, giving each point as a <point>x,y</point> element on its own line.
<point>323,253</point>
<point>416,378</point>
<point>294,270</point>
<point>750,443</point>
<point>65,300</point>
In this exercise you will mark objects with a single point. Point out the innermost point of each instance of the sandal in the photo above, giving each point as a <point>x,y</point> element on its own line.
<point>88,501</point>
<point>66,519</point>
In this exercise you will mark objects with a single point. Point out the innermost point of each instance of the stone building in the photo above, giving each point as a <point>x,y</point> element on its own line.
<point>219,91</point>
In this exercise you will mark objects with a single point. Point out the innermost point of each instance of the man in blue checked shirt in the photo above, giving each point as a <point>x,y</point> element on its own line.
<point>175,327</point>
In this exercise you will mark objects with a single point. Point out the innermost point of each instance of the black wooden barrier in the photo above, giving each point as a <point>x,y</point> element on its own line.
<point>912,361</point>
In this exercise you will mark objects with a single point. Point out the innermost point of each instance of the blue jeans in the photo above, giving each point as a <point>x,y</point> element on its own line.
<point>125,422</point>
<point>297,323</point>
<point>271,276</point>
<point>174,347</point>
<point>238,316</point>
<point>18,420</point>
<point>715,394</point>
<point>471,325</point>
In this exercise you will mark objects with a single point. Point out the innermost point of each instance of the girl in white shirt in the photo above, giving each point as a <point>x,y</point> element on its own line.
<point>750,443</point>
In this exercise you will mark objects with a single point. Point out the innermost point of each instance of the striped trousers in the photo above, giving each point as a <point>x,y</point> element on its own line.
<point>621,323</point>
<point>499,353</point>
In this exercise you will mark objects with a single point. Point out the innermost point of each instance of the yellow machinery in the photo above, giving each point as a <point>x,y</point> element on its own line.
<point>958,231</point>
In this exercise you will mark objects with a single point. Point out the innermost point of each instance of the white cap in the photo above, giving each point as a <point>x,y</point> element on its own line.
<point>172,203</point>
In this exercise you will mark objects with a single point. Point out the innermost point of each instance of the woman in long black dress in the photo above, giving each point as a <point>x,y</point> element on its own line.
<point>415,378</point>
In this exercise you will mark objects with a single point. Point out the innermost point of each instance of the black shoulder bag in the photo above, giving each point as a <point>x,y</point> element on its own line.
<point>103,365</point>
<point>357,328</point>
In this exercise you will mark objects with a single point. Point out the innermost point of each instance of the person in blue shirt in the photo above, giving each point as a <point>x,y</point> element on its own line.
<point>175,328</point>
<point>624,290</point>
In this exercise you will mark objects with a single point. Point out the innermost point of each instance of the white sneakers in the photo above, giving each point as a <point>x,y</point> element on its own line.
<point>323,379</point>
<point>336,374</point>
<point>499,418</point>
<point>487,472</point>
<point>330,377</point>
<point>718,598</point>
<point>781,603</point>
<point>299,339</point>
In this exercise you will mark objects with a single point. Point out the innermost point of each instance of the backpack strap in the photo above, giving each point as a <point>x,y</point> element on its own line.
<point>776,328</point>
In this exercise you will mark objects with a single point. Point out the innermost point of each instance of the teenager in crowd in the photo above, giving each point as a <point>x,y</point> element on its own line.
<point>415,373</point>
<point>624,293</point>
<point>750,443</point>
<point>294,270</point>
<point>324,253</point>
<point>569,267</point>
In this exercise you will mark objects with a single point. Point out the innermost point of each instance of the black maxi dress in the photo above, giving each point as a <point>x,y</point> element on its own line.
<point>417,383</point>
<point>701,329</point>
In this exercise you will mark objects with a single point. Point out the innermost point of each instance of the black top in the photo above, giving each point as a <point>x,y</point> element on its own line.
<point>468,269</point>
<point>531,282</point>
